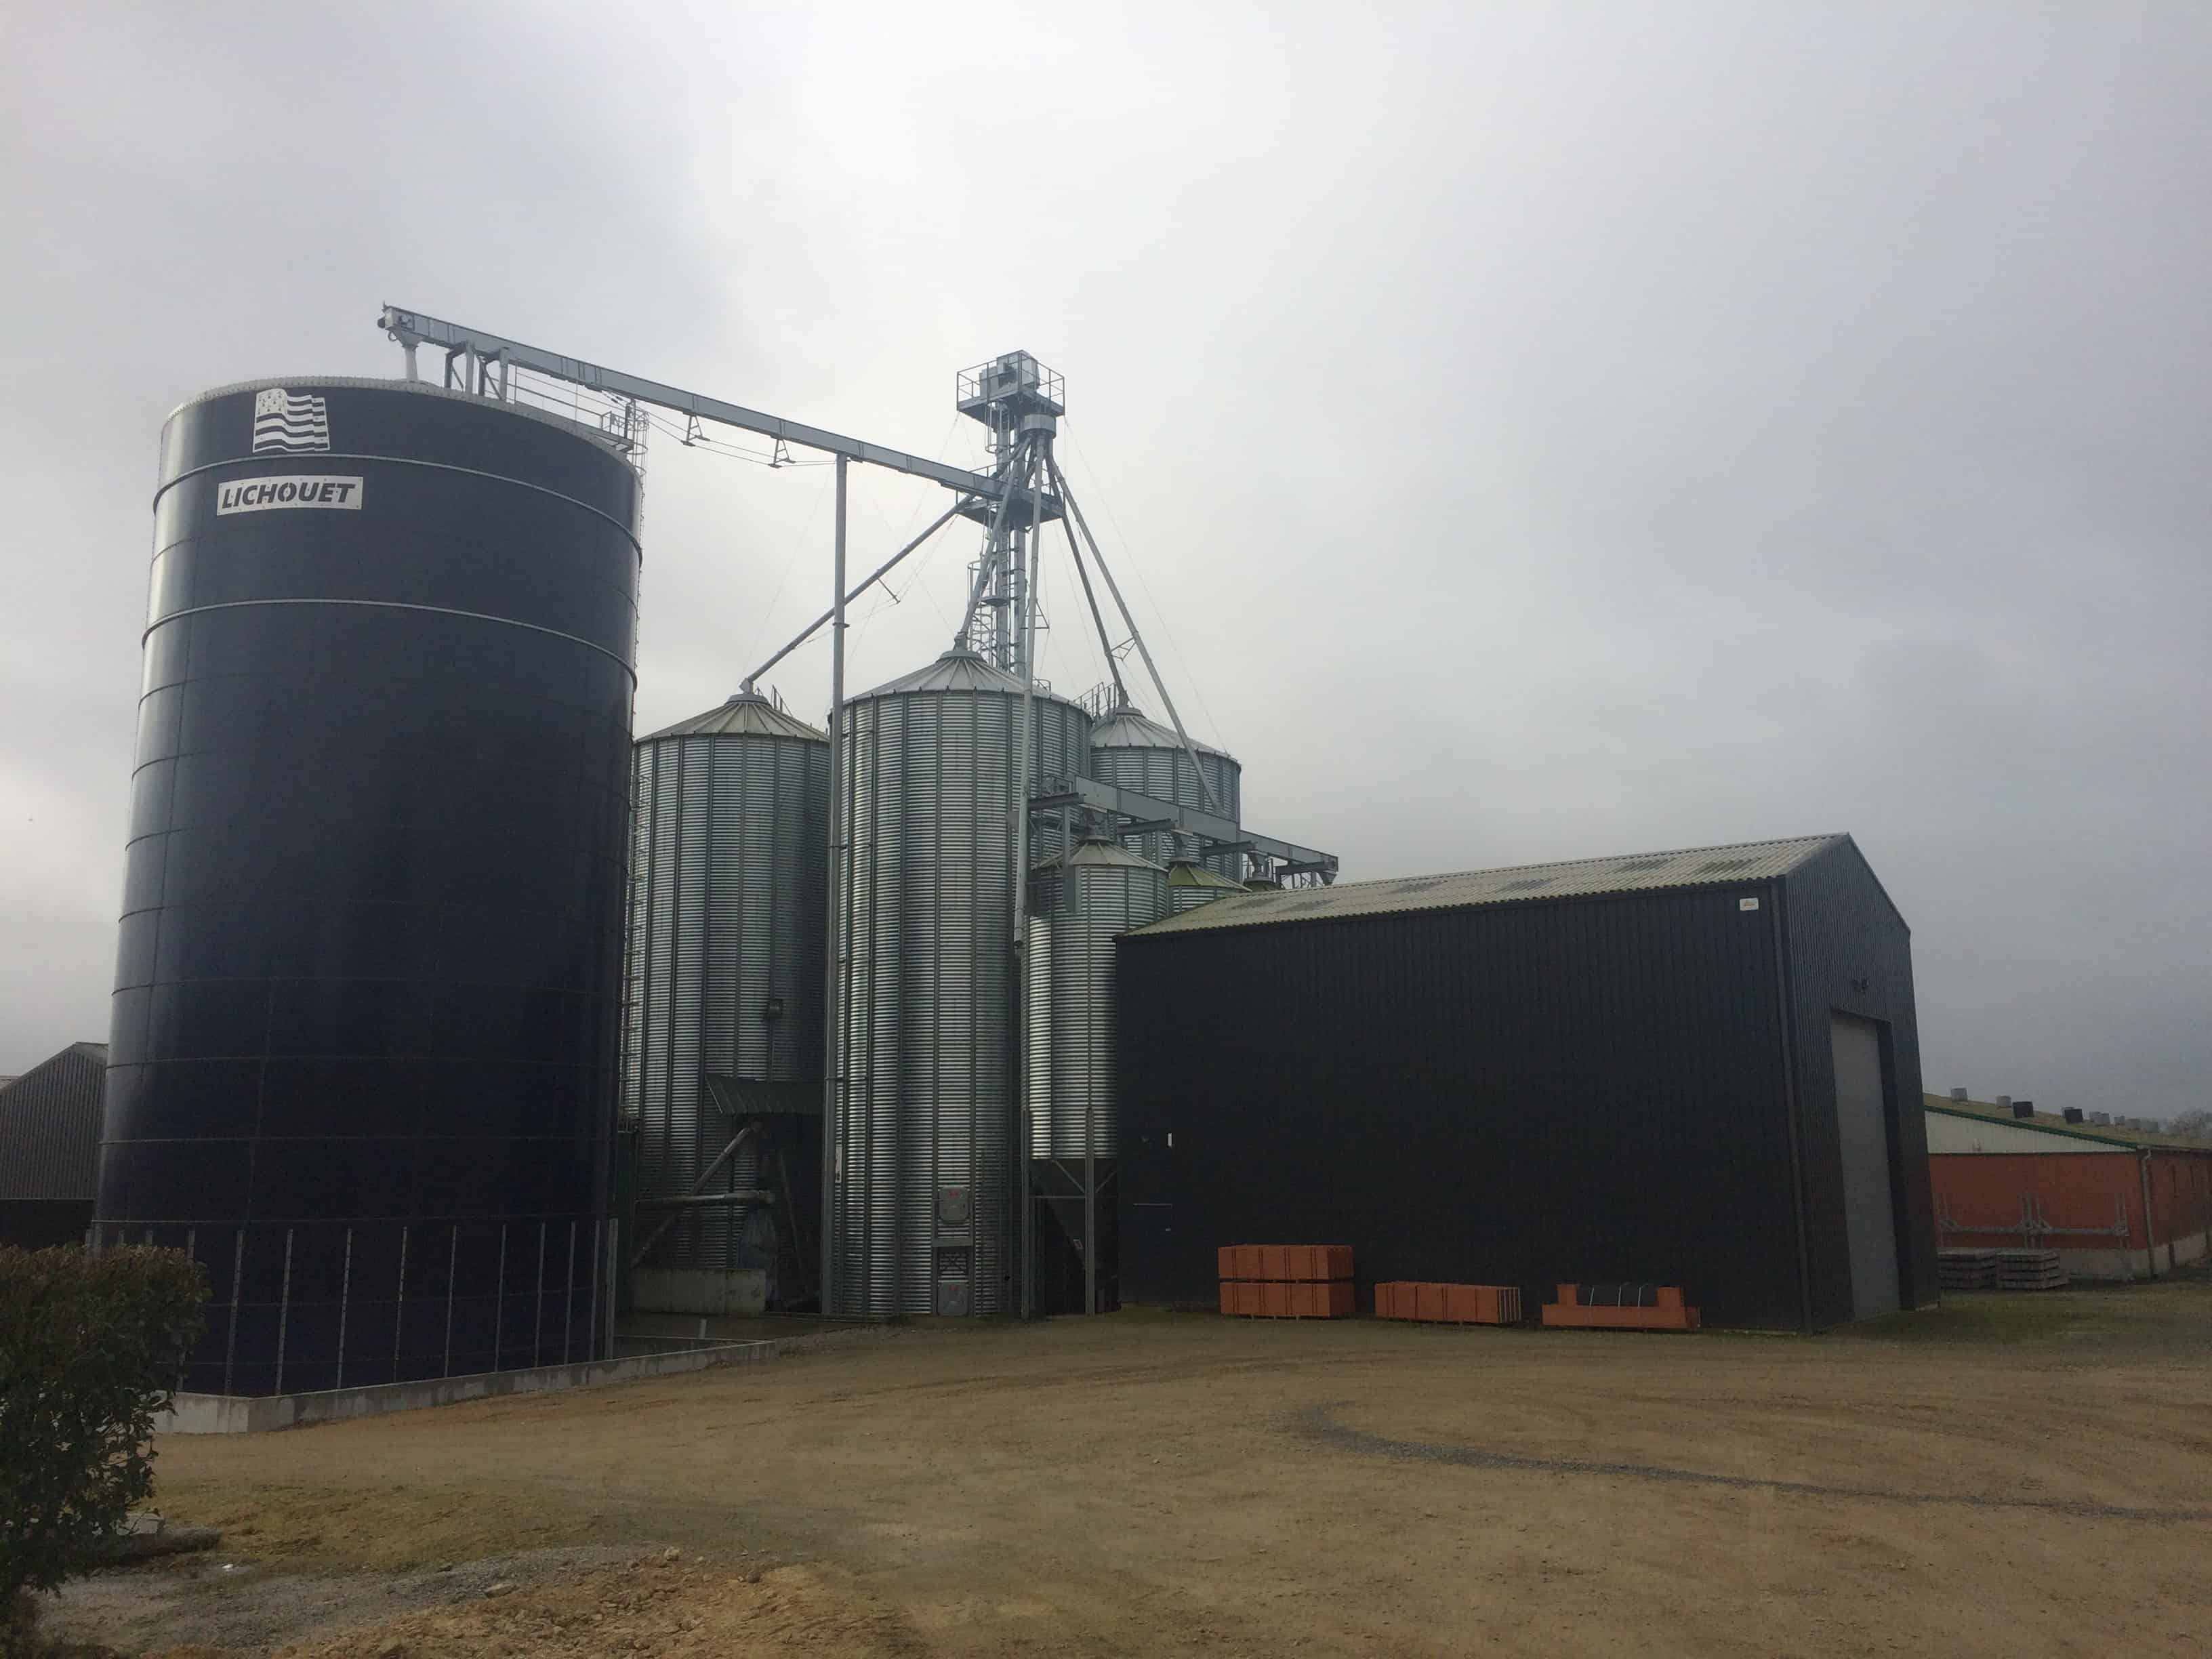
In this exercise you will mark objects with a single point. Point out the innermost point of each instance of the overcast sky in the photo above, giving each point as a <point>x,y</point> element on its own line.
<point>1531,431</point>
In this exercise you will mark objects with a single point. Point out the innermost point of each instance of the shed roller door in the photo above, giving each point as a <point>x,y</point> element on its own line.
<point>1863,1126</point>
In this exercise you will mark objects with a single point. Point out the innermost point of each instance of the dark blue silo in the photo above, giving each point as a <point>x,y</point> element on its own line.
<point>363,1048</point>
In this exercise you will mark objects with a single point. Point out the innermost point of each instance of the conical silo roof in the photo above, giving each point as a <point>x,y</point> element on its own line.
<point>1184,873</point>
<point>956,671</point>
<point>1125,727</point>
<point>1104,855</point>
<point>746,714</point>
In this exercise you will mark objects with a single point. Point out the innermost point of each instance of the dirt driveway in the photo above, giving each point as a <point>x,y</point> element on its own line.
<point>2009,1476</point>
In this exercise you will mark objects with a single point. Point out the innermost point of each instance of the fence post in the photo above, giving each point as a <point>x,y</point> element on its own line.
<point>399,1308</point>
<point>452,1269</point>
<point>538,1305</point>
<point>614,1268</point>
<point>345,1300</point>
<point>284,1310</point>
<point>568,1307</point>
<point>592,1313</point>
<point>237,1278</point>
<point>193,1251</point>
<point>499,1301</point>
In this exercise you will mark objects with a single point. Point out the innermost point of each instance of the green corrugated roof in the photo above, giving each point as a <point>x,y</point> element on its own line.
<point>1744,863</point>
<point>1183,873</point>
<point>1984,1111</point>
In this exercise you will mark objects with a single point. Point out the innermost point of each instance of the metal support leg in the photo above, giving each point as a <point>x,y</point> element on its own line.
<point>833,1070</point>
<point>1205,789</point>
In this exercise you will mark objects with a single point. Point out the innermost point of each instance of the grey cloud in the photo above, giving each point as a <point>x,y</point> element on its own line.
<point>1532,431</point>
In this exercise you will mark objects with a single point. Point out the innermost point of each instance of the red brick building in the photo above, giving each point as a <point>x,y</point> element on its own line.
<point>2115,1202</point>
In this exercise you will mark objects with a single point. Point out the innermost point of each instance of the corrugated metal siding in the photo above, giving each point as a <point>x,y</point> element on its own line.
<point>1586,1090</point>
<point>1080,909</point>
<point>50,1126</point>
<point>1850,952</point>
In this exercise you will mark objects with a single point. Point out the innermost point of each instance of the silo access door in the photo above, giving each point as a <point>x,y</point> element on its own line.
<point>1863,1127</point>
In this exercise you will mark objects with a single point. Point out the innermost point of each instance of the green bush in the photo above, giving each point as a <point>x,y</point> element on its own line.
<point>90,1348</point>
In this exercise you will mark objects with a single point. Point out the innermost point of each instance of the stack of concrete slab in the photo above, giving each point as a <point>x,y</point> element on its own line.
<point>1967,1270</point>
<point>2029,1270</point>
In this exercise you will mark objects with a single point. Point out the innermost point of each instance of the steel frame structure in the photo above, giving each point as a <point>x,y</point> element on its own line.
<point>1019,402</point>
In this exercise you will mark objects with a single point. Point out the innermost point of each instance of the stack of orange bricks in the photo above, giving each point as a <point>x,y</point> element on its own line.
<point>1448,1304</point>
<point>1286,1281</point>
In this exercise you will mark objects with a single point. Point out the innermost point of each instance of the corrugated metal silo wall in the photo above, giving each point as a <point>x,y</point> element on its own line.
<point>728,894</point>
<point>1073,1055</point>
<point>1584,1090</point>
<point>1848,952</point>
<point>928,924</point>
<point>1165,774</point>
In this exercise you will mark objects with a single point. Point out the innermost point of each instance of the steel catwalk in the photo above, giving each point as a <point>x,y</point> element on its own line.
<point>922,1141</point>
<point>727,920</point>
<point>1132,752</point>
<point>364,1030</point>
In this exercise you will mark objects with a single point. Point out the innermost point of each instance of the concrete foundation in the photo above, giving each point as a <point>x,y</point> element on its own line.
<point>220,1413</point>
<point>740,1292</point>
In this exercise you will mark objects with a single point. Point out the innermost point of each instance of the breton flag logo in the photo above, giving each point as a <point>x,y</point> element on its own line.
<point>289,422</point>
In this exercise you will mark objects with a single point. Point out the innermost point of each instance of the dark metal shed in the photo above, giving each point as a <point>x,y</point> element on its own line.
<point>50,1148</point>
<point>1683,1067</point>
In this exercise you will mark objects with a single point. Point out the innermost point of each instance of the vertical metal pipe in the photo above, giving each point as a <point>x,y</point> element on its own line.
<point>283,1310</point>
<point>346,1299</point>
<point>1024,1231</point>
<point>237,1278</point>
<point>1089,1118</point>
<point>399,1306</point>
<point>833,1053</point>
<point>452,1271</point>
<point>498,1299</point>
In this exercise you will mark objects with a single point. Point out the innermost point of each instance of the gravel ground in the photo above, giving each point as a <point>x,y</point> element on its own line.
<point>2010,1476</point>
